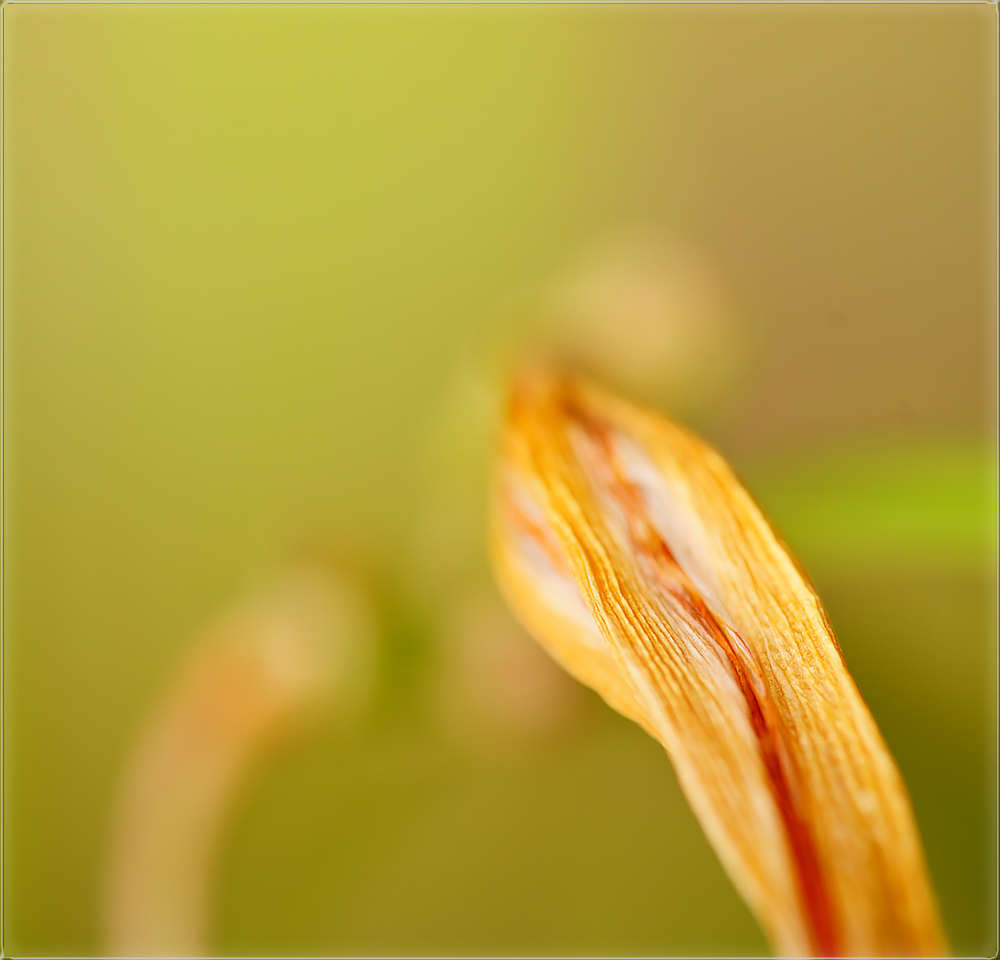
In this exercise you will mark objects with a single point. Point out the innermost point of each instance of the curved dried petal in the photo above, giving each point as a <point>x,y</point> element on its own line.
<point>250,676</point>
<point>629,549</point>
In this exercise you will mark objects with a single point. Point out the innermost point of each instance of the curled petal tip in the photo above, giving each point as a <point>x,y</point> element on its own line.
<point>628,548</point>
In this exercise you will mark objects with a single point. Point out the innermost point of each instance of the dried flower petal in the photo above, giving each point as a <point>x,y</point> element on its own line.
<point>260,668</point>
<point>629,549</point>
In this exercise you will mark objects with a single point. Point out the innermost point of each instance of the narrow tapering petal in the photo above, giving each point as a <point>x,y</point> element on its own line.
<point>629,549</point>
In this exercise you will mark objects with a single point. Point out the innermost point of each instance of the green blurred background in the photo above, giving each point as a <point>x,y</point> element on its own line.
<point>244,245</point>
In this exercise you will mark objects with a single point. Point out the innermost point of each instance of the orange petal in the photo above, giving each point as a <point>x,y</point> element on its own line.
<point>629,549</point>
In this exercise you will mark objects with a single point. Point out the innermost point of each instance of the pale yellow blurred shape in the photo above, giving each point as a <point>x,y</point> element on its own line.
<point>650,312</point>
<point>303,642</point>
<point>497,691</point>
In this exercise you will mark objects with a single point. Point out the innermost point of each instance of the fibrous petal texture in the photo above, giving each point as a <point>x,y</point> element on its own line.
<point>627,546</point>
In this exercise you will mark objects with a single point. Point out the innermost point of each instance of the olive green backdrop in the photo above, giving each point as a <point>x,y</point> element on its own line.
<point>243,246</point>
